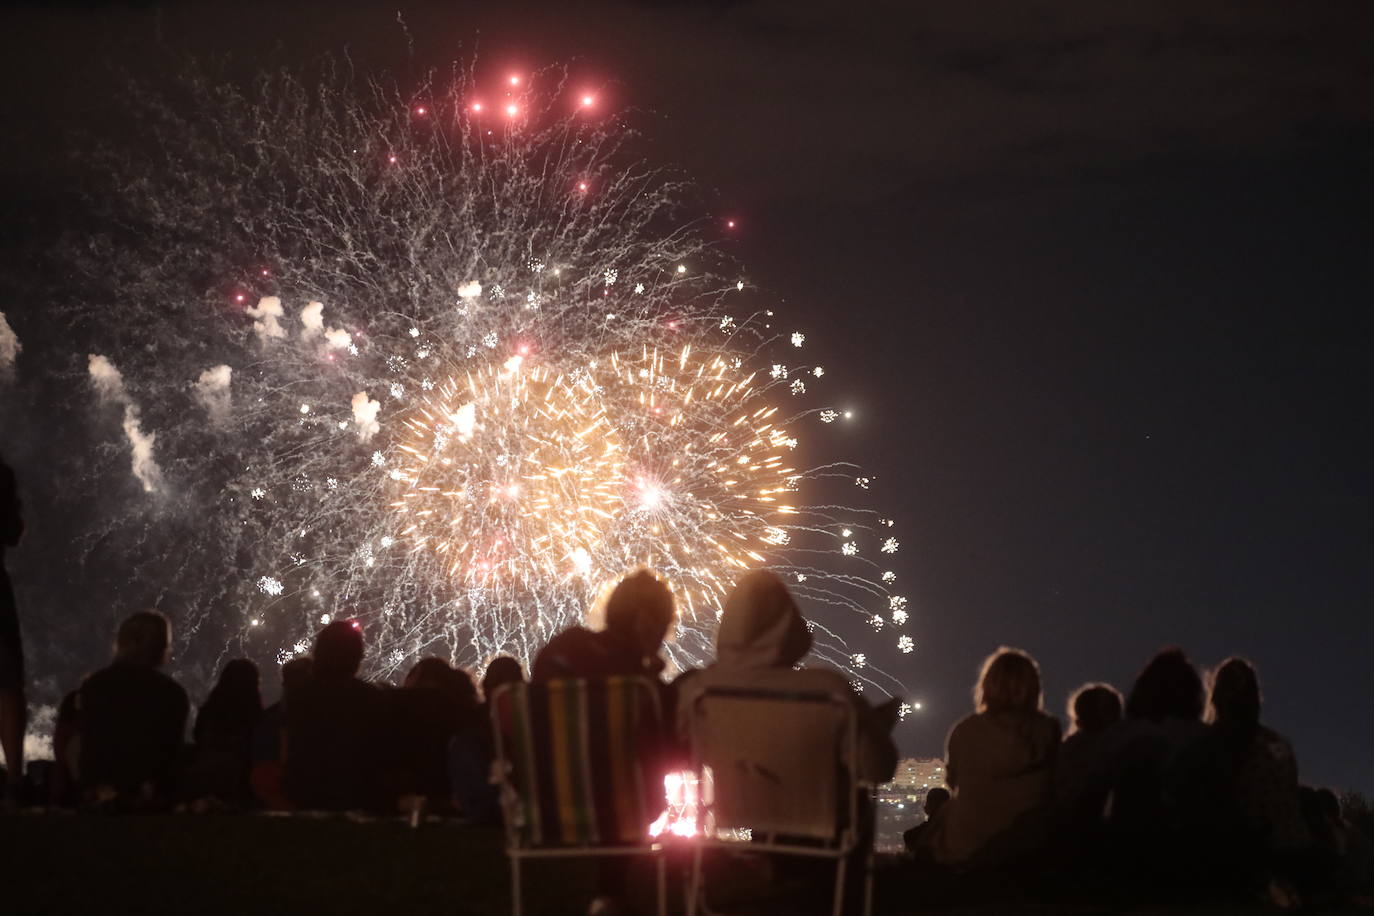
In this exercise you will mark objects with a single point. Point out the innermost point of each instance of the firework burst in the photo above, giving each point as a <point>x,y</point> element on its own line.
<point>448,361</point>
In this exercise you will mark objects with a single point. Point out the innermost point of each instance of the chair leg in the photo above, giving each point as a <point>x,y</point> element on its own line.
<point>515,906</point>
<point>839,885</point>
<point>662,884</point>
<point>694,885</point>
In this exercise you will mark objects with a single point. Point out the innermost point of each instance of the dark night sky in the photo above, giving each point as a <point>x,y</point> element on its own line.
<point>1096,278</point>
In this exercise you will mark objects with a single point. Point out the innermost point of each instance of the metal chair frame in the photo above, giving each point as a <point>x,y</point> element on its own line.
<point>846,837</point>
<point>517,850</point>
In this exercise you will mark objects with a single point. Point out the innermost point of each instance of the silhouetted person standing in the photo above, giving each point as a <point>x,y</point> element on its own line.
<point>133,718</point>
<point>13,711</point>
<point>333,728</point>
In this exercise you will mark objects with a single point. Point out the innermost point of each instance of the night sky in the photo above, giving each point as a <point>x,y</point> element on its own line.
<point>1096,282</point>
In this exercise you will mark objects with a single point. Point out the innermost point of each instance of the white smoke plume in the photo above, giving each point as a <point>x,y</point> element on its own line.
<point>338,339</point>
<point>109,384</point>
<point>312,320</point>
<point>9,346</point>
<point>268,313</point>
<point>212,391</point>
<point>312,326</point>
<point>365,415</point>
<point>470,290</point>
<point>145,467</point>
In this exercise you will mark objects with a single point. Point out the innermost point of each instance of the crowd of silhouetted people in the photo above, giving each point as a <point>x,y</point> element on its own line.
<point>1177,789</point>
<point>1179,785</point>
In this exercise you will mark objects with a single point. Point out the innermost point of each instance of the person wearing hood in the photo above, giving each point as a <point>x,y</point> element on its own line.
<point>762,637</point>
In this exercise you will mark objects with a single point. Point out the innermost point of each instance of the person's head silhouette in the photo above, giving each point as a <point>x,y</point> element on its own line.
<point>1235,700</point>
<point>1093,707</point>
<point>935,800</point>
<point>339,650</point>
<point>503,669</point>
<point>1009,682</point>
<point>1168,687</point>
<point>639,611</point>
<point>143,640</point>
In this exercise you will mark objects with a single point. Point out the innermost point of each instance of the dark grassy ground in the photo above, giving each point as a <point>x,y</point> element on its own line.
<point>246,865</point>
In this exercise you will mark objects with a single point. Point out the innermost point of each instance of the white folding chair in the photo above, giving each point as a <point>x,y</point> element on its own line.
<point>778,768</point>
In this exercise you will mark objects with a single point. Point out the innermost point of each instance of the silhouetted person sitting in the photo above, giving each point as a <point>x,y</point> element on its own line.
<point>1084,769</point>
<point>503,669</point>
<point>1261,773</point>
<point>638,614</point>
<point>333,729</point>
<point>917,839</point>
<point>999,764</point>
<point>224,734</point>
<point>1170,817</point>
<point>1157,784</point>
<point>64,790</point>
<point>761,638</point>
<point>1347,853</point>
<point>422,718</point>
<point>269,738</point>
<point>133,718</point>
<point>472,749</point>
<point>13,710</point>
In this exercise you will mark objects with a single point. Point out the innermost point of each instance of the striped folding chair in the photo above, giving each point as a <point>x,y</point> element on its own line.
<point>775,774</point>
<point>575,761</point>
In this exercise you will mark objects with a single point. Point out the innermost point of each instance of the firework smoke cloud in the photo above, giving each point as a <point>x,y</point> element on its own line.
<point>212,391</point>
<point>9,347</point>
<point>469,357</point>
<point>109,384</point>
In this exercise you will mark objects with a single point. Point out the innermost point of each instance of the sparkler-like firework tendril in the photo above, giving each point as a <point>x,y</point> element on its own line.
<point>448,361</point>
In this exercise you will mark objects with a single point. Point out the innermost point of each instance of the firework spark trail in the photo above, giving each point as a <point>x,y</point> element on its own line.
<point>448,361</point>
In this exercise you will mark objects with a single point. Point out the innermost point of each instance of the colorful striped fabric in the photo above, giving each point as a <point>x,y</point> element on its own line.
<point>579,760</point>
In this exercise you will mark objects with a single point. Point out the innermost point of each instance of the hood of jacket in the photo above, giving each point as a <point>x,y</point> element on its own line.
<point>760,625</point>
